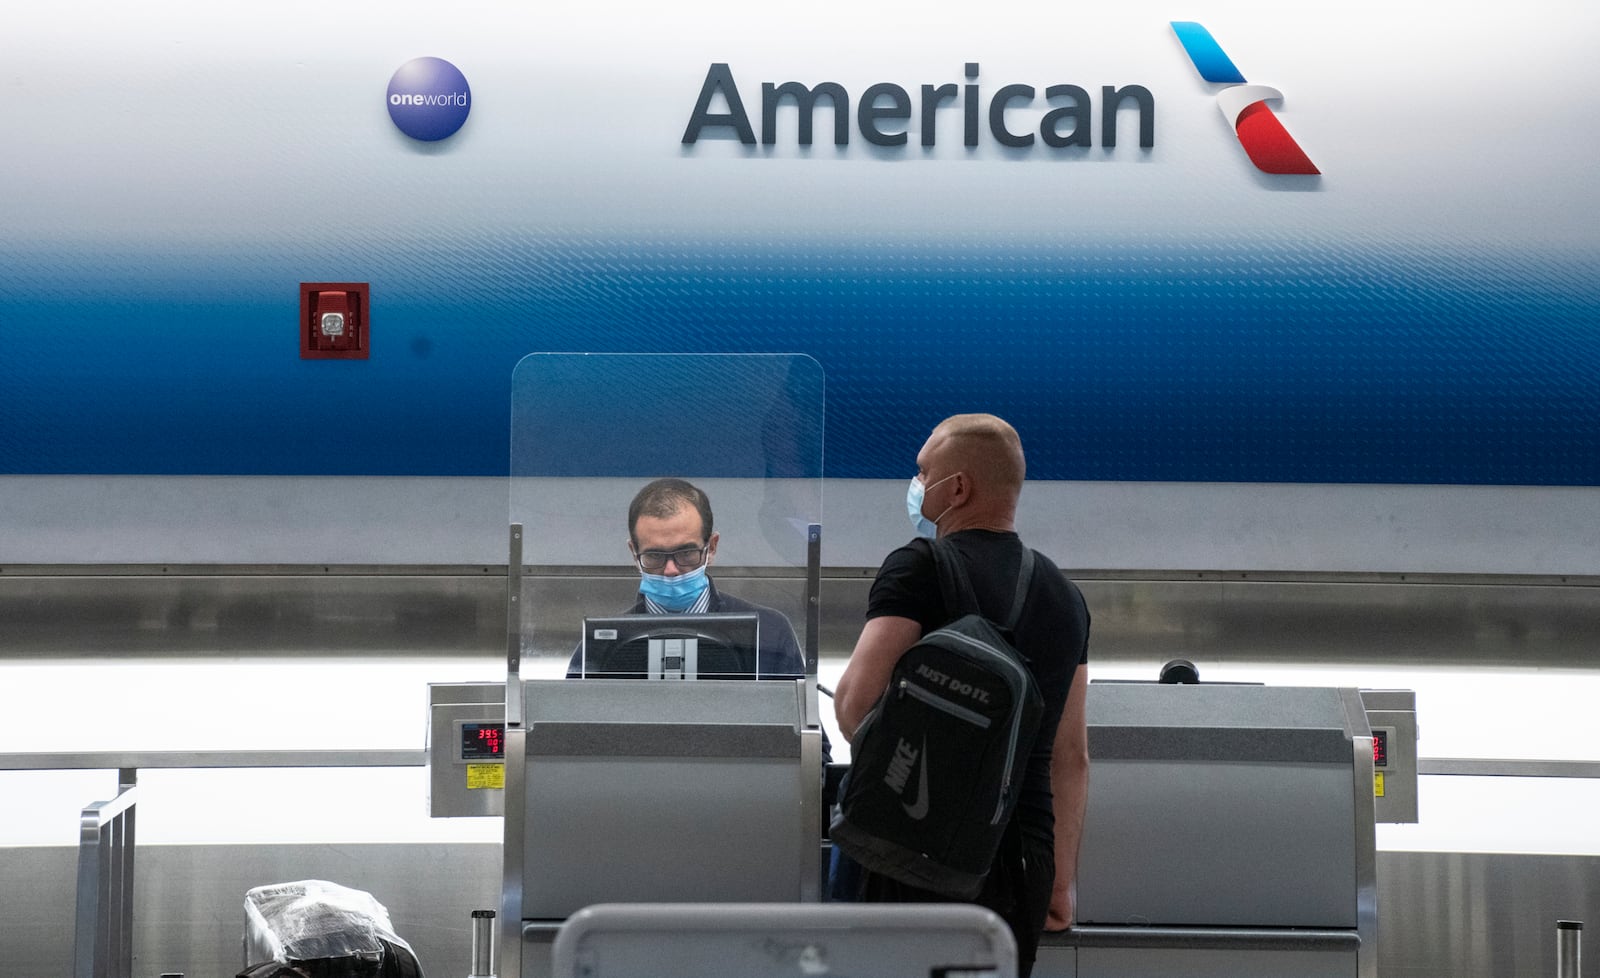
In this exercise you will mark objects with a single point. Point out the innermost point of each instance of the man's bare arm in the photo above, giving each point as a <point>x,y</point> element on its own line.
<point>1069,788</point>
<point>883,641</point>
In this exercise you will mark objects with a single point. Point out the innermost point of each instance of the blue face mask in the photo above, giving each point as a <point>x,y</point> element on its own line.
<point>675,593</point>
<point>924,527</point>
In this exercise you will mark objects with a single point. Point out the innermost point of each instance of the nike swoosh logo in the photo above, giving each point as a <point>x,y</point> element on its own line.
<point>919,808</point>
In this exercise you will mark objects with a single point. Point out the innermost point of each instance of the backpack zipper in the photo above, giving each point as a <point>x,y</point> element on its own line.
<point>940,703</point>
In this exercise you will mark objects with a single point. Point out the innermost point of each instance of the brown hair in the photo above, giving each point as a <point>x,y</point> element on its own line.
<point>662,498</point>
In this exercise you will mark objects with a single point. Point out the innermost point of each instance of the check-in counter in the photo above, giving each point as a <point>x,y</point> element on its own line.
<point>652,792</point>
<point>1229,832</point>
<point>1229,828</point>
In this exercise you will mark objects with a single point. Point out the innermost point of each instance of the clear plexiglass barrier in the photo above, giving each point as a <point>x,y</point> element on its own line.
<point>732,600</point>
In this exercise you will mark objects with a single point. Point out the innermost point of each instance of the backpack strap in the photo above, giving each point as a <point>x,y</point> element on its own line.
<point>956,588</point>
<point>399,961</point>
<point>272,969</point>
<point>1024,581</point>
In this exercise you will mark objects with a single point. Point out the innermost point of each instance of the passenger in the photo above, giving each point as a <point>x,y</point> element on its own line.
<point>672,542</point>
<point>969,475</point>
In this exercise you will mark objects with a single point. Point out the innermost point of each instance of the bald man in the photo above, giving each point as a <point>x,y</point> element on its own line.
<point>969,476</point>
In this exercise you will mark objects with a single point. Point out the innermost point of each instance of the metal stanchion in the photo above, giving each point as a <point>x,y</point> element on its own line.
<point>482,944</point>
<point>1569,949</point>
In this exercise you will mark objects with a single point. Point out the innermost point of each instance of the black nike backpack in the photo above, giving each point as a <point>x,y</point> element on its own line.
<point>936,766</point>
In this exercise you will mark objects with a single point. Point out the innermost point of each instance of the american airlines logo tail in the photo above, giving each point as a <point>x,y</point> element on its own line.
<point>1265,141</point>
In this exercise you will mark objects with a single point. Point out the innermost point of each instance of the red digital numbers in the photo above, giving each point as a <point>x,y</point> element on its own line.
<point>481,740</point>
<point>1380,748</point>
<point>491,738</point>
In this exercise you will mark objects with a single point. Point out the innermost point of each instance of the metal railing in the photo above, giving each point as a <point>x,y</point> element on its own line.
<point>103,925</point>
<point>103,937</point>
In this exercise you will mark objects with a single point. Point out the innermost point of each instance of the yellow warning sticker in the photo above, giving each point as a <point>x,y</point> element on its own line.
<point>494,776</point>
<point>1377,783</point>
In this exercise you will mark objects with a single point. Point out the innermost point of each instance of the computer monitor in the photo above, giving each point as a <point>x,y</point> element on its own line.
<point>720,646</point>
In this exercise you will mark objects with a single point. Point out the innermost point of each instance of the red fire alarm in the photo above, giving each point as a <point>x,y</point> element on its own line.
<point>333,320</point>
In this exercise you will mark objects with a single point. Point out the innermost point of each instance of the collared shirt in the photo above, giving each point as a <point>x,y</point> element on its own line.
<point>700,606</point>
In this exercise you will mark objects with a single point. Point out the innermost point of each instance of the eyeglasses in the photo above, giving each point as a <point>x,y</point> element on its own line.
<point>687,559</point>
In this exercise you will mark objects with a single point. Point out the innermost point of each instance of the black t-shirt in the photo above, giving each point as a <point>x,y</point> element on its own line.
<point>1053,632</point>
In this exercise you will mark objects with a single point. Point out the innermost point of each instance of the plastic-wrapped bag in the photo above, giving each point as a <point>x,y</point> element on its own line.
<point>317,929</point>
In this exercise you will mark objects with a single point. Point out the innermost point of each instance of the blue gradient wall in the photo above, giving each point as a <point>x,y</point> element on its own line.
<point>1423,312</point>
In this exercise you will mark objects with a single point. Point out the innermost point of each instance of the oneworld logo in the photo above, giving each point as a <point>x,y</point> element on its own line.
<point>1265,140</point>
<point>429,99</point>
